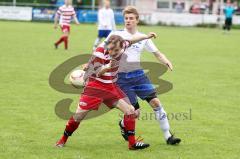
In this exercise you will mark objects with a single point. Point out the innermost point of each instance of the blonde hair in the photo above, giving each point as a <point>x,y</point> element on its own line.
<point>131,10</point>
<point>68,2</point>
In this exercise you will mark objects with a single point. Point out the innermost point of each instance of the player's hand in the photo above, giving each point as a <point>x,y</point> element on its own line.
<point>55,26</point>
<point>85,67</point>
<point>113,63</point>
<point>151,35</point>
<point>169,65</point>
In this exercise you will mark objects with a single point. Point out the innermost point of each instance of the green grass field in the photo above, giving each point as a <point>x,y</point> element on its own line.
<point>205,78</point>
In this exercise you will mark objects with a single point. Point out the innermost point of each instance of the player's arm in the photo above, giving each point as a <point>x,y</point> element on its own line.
<point>75,18</point>
<point>98,62</point>
<point>107,67</point>
<point>57,15</point>
<point>143,37</point>
<point>100,68</point>
<point>163,59</point>
<point>150,47</point>
<point>103,70</point>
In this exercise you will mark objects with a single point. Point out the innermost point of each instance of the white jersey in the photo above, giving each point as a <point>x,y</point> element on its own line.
<point>130,60</point>
<point>66,13</point>
<point>106,19</point>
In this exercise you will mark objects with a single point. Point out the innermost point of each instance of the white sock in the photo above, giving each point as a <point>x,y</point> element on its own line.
<point>122,123</point>
<point>97,41</point>
<point>161,116</point>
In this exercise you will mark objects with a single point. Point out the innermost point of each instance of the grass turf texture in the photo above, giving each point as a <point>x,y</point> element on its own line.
<point>205,78</point>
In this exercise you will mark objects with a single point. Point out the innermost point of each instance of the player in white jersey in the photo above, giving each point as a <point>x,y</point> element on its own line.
<point>106,22</point>
<point>131,78</point>
<point>65,14</point>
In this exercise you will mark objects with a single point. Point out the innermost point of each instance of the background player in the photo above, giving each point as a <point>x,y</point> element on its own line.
<point>228,11</point>
<point>101,87</point>
<point>106,22</point>
<point>132,76</point>
<point>65,13</point>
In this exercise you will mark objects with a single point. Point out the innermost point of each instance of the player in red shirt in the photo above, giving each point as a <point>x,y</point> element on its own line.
<point>101,87</point>
<point>65,14</point>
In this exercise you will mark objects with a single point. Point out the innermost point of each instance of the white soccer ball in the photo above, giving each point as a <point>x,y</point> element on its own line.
<point>76,78</point>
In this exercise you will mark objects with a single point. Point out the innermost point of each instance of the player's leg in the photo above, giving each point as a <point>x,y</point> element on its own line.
<point>96,42</point>
<point>72,125</point>
<point>114,96</point>
<point>64,37</point>
<point>98,39</point>
<point>225,24</point>
<point>122,125</point>
<point>61,39</point>
<point>161,117</point>
<point>229,24</point>
<point>125,85</point>
<point>146,91</point>
<point>129,122</point>
<point>101,34</point>
<point>87,103</point>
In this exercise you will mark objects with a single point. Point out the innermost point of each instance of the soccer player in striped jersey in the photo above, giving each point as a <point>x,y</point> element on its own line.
<point>65,14</point>
<point>106,22</point>
<point>101,87</point>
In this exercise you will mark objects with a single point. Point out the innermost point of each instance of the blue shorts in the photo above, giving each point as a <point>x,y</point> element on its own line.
<point>103,33</point>
<point>135,84</point>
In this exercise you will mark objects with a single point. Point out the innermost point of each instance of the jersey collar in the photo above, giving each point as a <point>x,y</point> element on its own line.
<point>130,33</point>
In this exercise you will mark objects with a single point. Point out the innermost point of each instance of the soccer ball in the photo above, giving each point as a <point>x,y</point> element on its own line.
<point>76,78</point>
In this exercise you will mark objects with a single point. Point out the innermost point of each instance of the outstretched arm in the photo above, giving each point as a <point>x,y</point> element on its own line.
<point>143,37</point>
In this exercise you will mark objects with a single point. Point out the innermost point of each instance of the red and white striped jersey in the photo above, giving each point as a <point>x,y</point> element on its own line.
<point>100,60</point>
<point>66,13</point>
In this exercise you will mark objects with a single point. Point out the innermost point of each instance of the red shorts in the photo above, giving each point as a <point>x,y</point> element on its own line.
<point>96,92</point>
<point>65,28</point>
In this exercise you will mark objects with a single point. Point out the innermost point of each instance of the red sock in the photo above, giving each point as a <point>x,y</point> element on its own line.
<point>60,40</point>
<point>129,123</point>
<point>66,42</point>
<point>64,138</point>
<point>71,126</point>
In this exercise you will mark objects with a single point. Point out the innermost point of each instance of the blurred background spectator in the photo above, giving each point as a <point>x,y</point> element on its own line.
<point>179,6</point>
<point>79,4</point>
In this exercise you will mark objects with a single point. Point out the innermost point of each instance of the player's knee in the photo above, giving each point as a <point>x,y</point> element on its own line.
<point>130,110</point>
<point>150,97</point>
<point>154,102</point>
<point>137,113</point>
<point>77,117</point>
